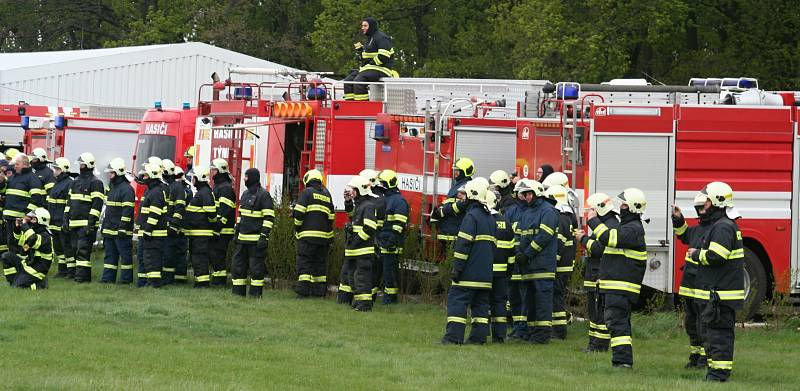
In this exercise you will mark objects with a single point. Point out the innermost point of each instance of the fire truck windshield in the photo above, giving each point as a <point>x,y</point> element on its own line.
<point>153,145</point>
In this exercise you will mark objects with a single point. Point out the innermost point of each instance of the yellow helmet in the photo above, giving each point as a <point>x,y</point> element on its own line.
<point>312,175</point>
<point>466,166</point>
<point>500,178</point>
<point>556,178</point>
<point>220,165</point>
<point>39,153</point>
<point>61,163</point>
<point>558,193</point>
<point>201,174</point>
<point>117,166</point>
<point>189,152</point>
<point>152,170</point>
<point>720,194</point>
<point>11,153</point>
<point>361,185</point>
<point>389,177</point>
<point>86,159</point>
<point>635,199</point>
<point>476,189</point>
<point>370,175</point>
<point>601,203</point>
<point>169,166</point>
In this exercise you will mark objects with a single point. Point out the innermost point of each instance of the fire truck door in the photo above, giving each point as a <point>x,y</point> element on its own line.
<point>795,262</point>
<point>644,161</point>
<point>274,158</point>
<point>490,148</point>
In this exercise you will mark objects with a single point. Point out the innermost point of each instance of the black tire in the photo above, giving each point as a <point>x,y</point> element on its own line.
<point>755,284</point>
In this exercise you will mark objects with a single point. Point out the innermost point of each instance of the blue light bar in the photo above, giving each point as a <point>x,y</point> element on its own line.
<point>186,106</point>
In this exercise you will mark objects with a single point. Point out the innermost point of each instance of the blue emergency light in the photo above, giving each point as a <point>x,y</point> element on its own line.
<point>243,93</point>
<point>568,90</point>
<point>60,122</point>
<point>186,106</point>
<point>157,105</point>
<point>25,122</point>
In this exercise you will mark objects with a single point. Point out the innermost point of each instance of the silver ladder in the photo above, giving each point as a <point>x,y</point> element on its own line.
<point>431,148</point>
<point>569,139</point>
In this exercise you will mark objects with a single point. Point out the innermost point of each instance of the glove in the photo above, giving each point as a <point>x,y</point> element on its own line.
<point>521,260</point>
<point>348,227</point>
<point>358,46</point>
<point>455,275</point>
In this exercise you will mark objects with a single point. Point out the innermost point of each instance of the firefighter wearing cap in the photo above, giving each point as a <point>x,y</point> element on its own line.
<point>513,213</point>
<point>152,221</point>
<point>198,223</point>
<point>391,235</point>
<point>536,257</point>
<point>256,216</point>
<point>376,58</point>
<point>117,227</point>
<point>599,337</point>
<point>565,258</point>
<point>39,164</point>
<point>448,216</point>
<point>503,254</point>
<point>694,237</point>
<point>82,215</point>
<point>226,219</point>
<point>471,275</point>
<point>24,193</point>
<point>28,268</point>
<point>621,271</point>
<point>313,227</point>
<point>57,200</point>
<point>720,278</point>
<point>359,250</point>
<point>177,242</point>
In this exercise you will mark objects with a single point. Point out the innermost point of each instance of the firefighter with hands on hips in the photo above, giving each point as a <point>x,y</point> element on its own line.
<point>43,171</point>
<point>603,207</point>
<point>622,269</point>
<point>313,226</point>
<point>226,218</point>
<point>391,236</point>
<point>82,215</point>
<point>152,223</point>
<point>536,256</point>
<point>117,228</point>
<point>376,56</point>
<point>23,193</point>
<point>57,200</point>
<point>256,216</point>
<point>28,267</point>
<point>359,250</point>
<point>447,216</point>
<point>720,278</point>
<point>197,224</point>
<point>565,258</point>
<point>503,254</point>
<point>516,292</point>
<point>471,274</point>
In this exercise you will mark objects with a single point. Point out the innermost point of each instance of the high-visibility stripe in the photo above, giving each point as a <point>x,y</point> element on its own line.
<point>305,277</point>
<point>620,286</point>
<point>539,276</point>
<point>480,320</point>
<point>363,297</point>
<point>681,230</point>
<point>540,323</point>
<point>314,234</point>
<point>473,284</point>
<point>499,267</point>
<point>345,288</point>
<point>466,236</point>
<point>203,278</point>
<point>359,251</point>
<point>718,364</point>
<point>622,340</point>
<point>456,319</point>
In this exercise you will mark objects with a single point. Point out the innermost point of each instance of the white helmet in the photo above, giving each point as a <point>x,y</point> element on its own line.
<point>117,166</point>
<point>86,159</point>
<point>601,203</point>
<point>700,199</point>
<point>537,187</point>
<point>490,199</point>
<point>500,179</point>
<point>635,200</point>
<point>476,189</point>
<point>370,175</point>
<point>152,170</point>
<point>558,193</point>
<point>42,216</point>
<point>201,174</point>
<point>719,193</point>
<point>523,185</point>
<point>168,166</point>
<point>361,185</point>
<point>220,165</point>
<point>61,163</point>
<point>177,171</point>
<point>154,160</point>
<point>39,153</point>
<point>556,178</point>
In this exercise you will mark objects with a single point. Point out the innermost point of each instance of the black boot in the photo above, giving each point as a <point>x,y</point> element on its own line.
<point>256,291</point>
<point>239,290</point>
<point>344,298</point>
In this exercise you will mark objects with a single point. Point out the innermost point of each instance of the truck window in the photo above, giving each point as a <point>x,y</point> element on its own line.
<point>153,145</point>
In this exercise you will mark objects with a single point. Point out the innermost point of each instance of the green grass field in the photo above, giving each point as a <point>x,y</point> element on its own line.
<point>105,337</point>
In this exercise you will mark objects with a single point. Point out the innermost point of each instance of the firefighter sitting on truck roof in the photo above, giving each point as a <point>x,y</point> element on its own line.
<point>198,224</point>
<point>56,204</point>
<point>39,164</point>
<point>376,58</point>
<point>313,226</point>
<point>24,193</point>
<point>256,216</point>
<point>28,267</point>
<point>117,229</point>
<point>226,219</point>
<point>448,216</point>
<point>82,215</point>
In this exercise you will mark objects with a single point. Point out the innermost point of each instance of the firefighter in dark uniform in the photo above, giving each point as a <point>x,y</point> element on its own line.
<point>471,276</point>
<point>198,223</point>
<point>39,164</point>
<point>57,199</point>
<point>502,184</point>
<point>3,185</point>
<point>256,216</point>
<point>179,244</point>
<point>391,237</point>
<point>621,271</point>
<point>720,279</point>
<point>565,258</point>
<point>82,215</point>
<point>536,257</point>
<point>376,56</point>
<point>24,193</point>
<point>360,235</point>
<point>693,237</point>
<point>447,216</point>
<point>152,226</point>
<point>598,331</point>
<point>379,203</point>
<point>176,203</point>
<point>226,219</point>
<point>503,253</point>
<point>117,228</point>
<point>513,212</point>
<point>313,225</point>
<point>31,264</point>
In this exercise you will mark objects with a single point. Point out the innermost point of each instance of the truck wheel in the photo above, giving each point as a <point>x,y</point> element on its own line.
<point>755,283</point>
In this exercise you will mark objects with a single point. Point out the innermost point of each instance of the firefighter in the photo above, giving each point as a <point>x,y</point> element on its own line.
<point>502,183</point>
<point>175,248</point>
<point>560,179</point>
<point>693,237</point>
<point>380,213</point>
<point>256,216</point>
<point>536,257</point>
<point>24,193</point>
<point>178,243</point>
<point>117,228</point>
<point>152,223</point>
<point>198,224</point>
<point>504,252</point>
<point>599,337</point>
<point>720,278</point>
<point>622,270</point>
<point>39,164</point>
<point>226,218</point>
<point>448,216</point>
<point>28,268</point>
<point>359,250</point>
<point>313,226</point>
<point>82,215</point>
<point>516,292</point>
<point>56,204</point>
<point>376,56</point>
<point>471,275</point>
<point>565,258</point>
<point>391,237</point>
